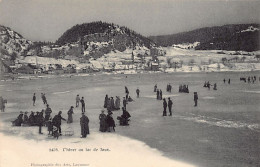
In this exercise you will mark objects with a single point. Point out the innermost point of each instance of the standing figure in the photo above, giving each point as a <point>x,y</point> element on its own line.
<point>155,88</point>
<point>77,100</point>
<point>2,104</point>
<point>48,112</point>
<point>170,106</point>
<point>126,92</point>
<point>124,102</point>
<point>84,125</point>
<point>40,121</point>
<point>224,80</point>
<point>106,101</point>
<point>110,122</point>
<point>44,99</point>
<point>157,94</point>
<point>34,99</point>
<point>164,107</point>
<point>25,118</point>
<point>82,104</point>
<point>112,103</point>
<point>160,94</point>
<point>57,121</point>
<point>117,103</point>
<point>215,86</point>
<point>170,88</point>
<point>31,119</point>
<point>70,112</point>
<point>109,107</point>
<point>196,99</point>
<point>137,92</point>
<point>102,122</point>
<point>50,127</point>
<point>229,81</point>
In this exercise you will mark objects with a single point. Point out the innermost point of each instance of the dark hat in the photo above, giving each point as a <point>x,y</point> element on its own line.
<point>60,112</point>
<point>71,107</point>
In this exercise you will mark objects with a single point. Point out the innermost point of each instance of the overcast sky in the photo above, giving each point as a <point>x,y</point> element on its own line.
<point>47,20</point>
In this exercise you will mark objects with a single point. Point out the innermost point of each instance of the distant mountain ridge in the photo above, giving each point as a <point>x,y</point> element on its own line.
<point>243,37</point>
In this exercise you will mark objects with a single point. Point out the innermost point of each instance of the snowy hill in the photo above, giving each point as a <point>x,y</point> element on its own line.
<point>12,44</point>
<point>243,37</point>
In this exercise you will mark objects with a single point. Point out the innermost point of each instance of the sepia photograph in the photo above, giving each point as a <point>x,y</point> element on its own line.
<point>129,83</point>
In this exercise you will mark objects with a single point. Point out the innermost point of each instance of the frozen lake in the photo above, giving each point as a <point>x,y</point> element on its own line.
<point>224,129</point>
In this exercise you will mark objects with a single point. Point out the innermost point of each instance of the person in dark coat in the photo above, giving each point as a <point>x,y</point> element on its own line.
<point>112,104</point>
<point>155,88</point>
<point>164,107</point>
<point>19,120</point>
<point>124,102</point>
<point>49,126</point>
<point>137,92</point>
<point>126,92</point>
<point>170,88</point>
<point>215,86</point>
<point>44,99</point>
<point>124,117</point>
<point>48,112</point>
<point>196,99</point>
<point>70,112</point>
<point>170,106</point>
<point>82,104</point>
<point>31,119</point>
<point>57,121</point>
<point>110,122</point>
<point>102,122</point>
<point>117,103</point>
<point>224,80</point>
<point>106,101</point>
<point>25,118</point>
<point>84,121</point>
<point>34,99</point>
<point>229,81</point>
<point>40,121</point>
<point>160,94</point>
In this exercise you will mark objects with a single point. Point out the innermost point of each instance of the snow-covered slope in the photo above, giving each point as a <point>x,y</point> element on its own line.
<point>12,43</point>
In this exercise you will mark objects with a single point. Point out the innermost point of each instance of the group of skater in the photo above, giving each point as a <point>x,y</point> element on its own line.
<point>106,120</point>
<point>249,79</point>
<point>207,85</point>
<point>184,89</point>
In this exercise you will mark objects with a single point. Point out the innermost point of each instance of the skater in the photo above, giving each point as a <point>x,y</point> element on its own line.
<point>31,120</point>
<point>110,122</point>
<point>50,127</point>
<point>215,86</point>
<point>106,101</point>
<point>126,92</point>
<point>124,118</point>
<point>124,102</point>
<point>112,104</point>
<point>57,121</point>
<point>155,88</point>
<point>44,98</point>
<point>160,94</point>
<point>19,120</point>
<point>84,121</point>
<point>40,121</point>
<point>2,104</point>
<point>70,112</point>
<point>229,81</point>
<point>117,103</point>
<point>170,106</point>
<point>48,112</point>
<point>102,122</point>
<point>77,100</point>
<point>25,118</point>
<point>170,88</point>
<point>196,99</point>
<point>137,92</point>
<point>34,99</point>
<point>82,104</point>
<point>224,80</point>
<point>130,99</point>
<point>164,107</point>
